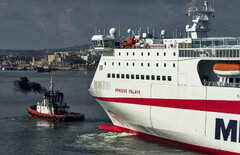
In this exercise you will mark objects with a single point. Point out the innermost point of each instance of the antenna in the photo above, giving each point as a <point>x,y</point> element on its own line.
<point>119,28</point>
<point>148,30</point>
<point>104,26</point>
<point>140,31</point>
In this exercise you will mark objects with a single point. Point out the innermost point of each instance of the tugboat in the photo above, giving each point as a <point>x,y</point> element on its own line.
<point>53,108</point>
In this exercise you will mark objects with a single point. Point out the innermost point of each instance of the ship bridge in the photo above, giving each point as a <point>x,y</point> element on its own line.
<point>103,42</point>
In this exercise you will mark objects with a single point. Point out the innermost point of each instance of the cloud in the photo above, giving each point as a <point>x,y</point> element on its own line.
<point>65,21</point>
<point>3,4</point>
<point>60,23</point>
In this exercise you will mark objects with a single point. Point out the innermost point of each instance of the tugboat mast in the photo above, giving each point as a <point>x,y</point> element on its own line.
<point>51,84</point>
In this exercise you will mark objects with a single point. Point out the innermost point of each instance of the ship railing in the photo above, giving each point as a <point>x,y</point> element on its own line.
<point>207,52</point>
<point>215,42</point>
<point>220,84</point>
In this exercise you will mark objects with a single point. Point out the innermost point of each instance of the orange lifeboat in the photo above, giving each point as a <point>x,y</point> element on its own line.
<point>223,69</point>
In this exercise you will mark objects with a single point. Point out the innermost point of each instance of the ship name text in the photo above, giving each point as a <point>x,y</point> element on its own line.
<point>127,91</point>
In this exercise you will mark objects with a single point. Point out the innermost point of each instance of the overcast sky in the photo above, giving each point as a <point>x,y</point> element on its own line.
<point>38,24</point>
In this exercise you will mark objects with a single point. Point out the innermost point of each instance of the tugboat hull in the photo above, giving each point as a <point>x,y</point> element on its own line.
<point>32,113</point>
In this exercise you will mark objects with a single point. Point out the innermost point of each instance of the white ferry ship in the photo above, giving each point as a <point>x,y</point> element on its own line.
<point>184,90</point>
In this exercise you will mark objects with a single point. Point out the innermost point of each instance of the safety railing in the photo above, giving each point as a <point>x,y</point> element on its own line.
<point>221,84</point>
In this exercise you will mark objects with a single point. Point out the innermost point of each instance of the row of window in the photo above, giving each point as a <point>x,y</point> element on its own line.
<point>137,77</point>
<point>148,54</point>
<point>196,53</point>
<point>209,53</point>
<point>133,64</point>
<point>101,43</point>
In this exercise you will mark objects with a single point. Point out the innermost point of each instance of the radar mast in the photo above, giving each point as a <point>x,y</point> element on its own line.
<point>201,20</point>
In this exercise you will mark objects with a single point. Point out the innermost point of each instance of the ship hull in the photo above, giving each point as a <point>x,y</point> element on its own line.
<point>196,148</point>
<point>170,97</point>
<point>187,126</point>
<point>41,69</point>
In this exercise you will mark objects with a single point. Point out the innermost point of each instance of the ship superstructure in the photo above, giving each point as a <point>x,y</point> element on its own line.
<point>185,89</point>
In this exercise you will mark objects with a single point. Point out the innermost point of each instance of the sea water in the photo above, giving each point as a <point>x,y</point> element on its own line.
<point>20,135</point>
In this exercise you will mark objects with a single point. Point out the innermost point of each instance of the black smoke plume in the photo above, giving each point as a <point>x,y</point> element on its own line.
<point>23,85</point>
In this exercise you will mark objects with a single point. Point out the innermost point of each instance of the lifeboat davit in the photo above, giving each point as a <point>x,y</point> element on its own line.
<point>226,70</point>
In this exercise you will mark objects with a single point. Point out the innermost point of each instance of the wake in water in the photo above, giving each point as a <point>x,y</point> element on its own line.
<point>103,142</point>
<point>119,143</point>
<point>21,118</point>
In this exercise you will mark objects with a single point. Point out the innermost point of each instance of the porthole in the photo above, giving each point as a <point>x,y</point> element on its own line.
<point>132,76</point>
<point>147,77</point>
<point>164,78</point>
<point>137,77</point>
<point>153,77</point>
<point>169,78</point>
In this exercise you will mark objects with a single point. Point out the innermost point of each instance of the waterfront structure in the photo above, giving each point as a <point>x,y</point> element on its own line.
<point>181,90</point>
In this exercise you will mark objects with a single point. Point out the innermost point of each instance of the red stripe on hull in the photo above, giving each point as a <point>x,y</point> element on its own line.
<point>119,129</point>
<point>231,107</point>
